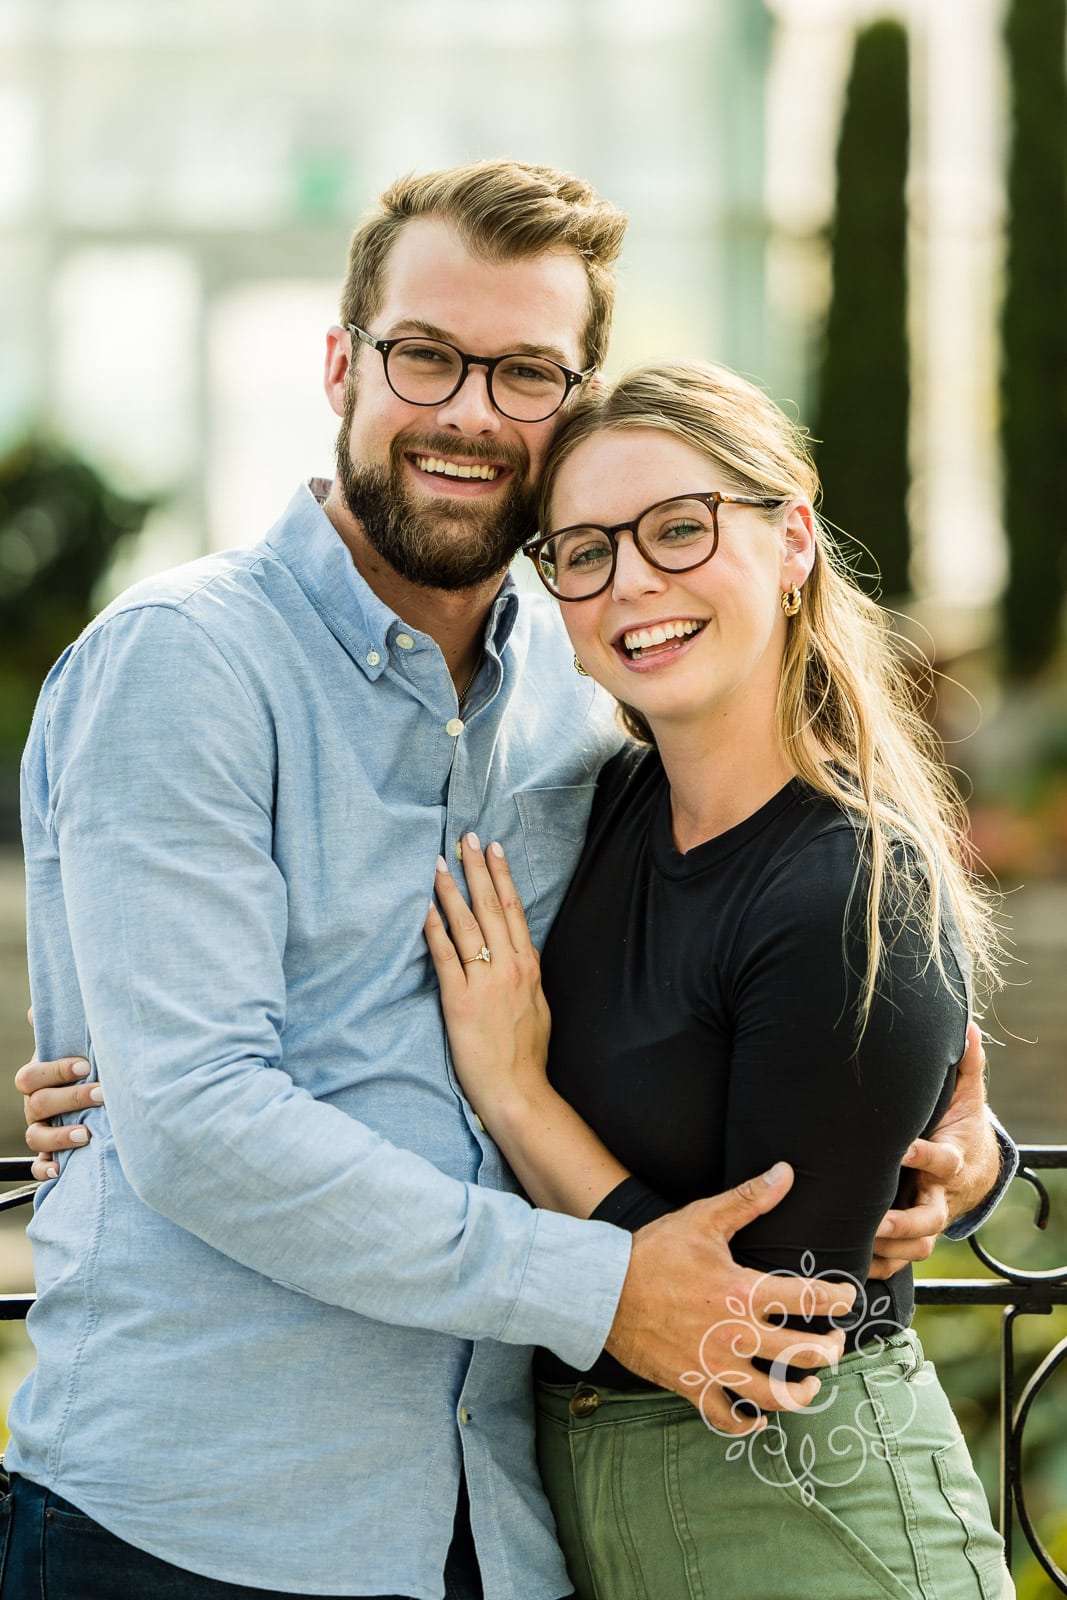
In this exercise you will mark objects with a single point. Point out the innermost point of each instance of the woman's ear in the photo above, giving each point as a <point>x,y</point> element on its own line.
<point>798,544</point>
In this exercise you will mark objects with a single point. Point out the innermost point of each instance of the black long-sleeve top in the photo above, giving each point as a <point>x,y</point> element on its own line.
<point>704,1023</point>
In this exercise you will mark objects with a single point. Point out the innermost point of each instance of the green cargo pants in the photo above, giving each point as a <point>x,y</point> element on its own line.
<point>871,1493</point>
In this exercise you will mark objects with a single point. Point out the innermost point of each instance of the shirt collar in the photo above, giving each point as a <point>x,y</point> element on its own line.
<point>307,542</point>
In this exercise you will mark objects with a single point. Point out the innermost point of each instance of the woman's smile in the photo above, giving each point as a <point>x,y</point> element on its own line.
<point>657,643</point>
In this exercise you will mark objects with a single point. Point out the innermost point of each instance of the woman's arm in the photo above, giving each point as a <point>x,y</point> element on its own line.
<point>847,1111</point>
<point>498,1027</point>
<point>800,1092</point>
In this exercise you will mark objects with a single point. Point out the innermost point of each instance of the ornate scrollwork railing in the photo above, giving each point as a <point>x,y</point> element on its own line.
<point>1019,1292</point>
<point>16,1169</point>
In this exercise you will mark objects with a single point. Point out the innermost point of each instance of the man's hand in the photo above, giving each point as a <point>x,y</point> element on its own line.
<point>687,1307</point>
<point>52,1088</point>
<point>956,1166</point>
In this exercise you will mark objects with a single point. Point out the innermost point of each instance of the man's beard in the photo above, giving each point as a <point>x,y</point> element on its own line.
<point>459,546</point>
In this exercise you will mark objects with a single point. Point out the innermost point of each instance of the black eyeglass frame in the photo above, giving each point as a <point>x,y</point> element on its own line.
<point>712,498</point>
<point>383,346</point>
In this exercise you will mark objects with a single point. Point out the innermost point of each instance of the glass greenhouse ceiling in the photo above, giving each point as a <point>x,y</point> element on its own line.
<point>191,23</point>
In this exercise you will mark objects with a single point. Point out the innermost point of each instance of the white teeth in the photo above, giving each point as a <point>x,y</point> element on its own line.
<point>452,469</point>
<point>645,638</point>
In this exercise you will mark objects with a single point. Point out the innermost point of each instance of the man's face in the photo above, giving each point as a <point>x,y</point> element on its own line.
<point>435,529</point>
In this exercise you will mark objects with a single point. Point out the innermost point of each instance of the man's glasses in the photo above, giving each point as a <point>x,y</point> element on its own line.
<point>673,536</point>
<point>427,372</point>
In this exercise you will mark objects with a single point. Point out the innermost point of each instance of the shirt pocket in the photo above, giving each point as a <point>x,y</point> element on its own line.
<point>553,823</point>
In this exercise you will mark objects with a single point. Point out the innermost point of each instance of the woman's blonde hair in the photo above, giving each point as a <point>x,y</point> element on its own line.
<point>849,712</point>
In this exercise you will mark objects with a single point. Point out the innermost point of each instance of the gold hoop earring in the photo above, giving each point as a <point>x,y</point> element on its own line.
<point>579,668</point>
<point>791,600</point>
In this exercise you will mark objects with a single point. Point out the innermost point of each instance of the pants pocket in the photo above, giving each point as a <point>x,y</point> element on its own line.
<point>79,1557</point>
<point>982,1544</point>
<point>815,1537</point>
<point>874,1459</point>
<point>751,1531</point>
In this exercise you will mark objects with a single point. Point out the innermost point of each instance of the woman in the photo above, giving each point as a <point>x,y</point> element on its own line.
<point>766,952</point>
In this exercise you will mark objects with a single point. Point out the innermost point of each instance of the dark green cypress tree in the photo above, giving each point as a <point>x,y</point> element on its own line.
<point>1034,371</point>
<point>863,393</point>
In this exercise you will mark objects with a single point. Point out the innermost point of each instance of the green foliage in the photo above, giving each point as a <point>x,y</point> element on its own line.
<point>964,1344</point>
<point>1034,373</point>
<point>862,417</point>
<point>60,526</point>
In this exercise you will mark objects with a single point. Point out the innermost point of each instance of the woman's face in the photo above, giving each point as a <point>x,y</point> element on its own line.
<point>680,646</point>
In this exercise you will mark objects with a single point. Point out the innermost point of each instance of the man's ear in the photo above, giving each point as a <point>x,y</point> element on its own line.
<point>798,547</point>
<point>338,361</point>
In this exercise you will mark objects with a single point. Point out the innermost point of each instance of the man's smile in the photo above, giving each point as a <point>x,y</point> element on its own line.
<point>462,470</point>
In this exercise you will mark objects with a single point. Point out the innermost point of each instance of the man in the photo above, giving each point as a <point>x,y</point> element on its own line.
<point>285,1294</point>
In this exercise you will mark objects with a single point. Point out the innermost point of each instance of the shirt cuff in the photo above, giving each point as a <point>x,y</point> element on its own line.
<point>964,1226</point>
<point>570,1289</point>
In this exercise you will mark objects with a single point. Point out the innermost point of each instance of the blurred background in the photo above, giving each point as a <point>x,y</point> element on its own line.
<point>862,205</point>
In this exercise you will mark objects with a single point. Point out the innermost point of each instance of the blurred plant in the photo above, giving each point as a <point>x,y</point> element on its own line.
<point>1019,806</point>
<point>862,414</point>
<point>1017,842</point>
<point>60,526</point>
<point>1034,369</point>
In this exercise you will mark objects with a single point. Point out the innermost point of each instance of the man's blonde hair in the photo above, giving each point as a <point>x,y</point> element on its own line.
<point>503,211</point>
<point>849,714</point>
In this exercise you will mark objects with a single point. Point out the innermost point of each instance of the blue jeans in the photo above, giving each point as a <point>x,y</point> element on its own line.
<point>49,1550</point>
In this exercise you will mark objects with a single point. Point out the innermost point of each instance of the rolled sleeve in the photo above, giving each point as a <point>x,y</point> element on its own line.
<point>575,1325</point>
<point>964,1226</point>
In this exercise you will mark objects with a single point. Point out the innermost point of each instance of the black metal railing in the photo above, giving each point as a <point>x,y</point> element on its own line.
<point>16,1169</point>
<point>1021,1293</point>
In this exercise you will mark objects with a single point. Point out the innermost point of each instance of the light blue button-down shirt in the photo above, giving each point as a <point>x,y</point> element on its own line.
<point>286,1291</point>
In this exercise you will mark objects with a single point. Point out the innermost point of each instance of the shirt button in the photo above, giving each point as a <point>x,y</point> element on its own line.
<point>454,726</point>
<point>373,658</point>
<point>464,1415</point>
<point>405,641</point>
<point>583,1402</point>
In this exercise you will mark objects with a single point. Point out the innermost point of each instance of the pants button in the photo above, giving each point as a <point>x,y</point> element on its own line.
<point>583,1402</point>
